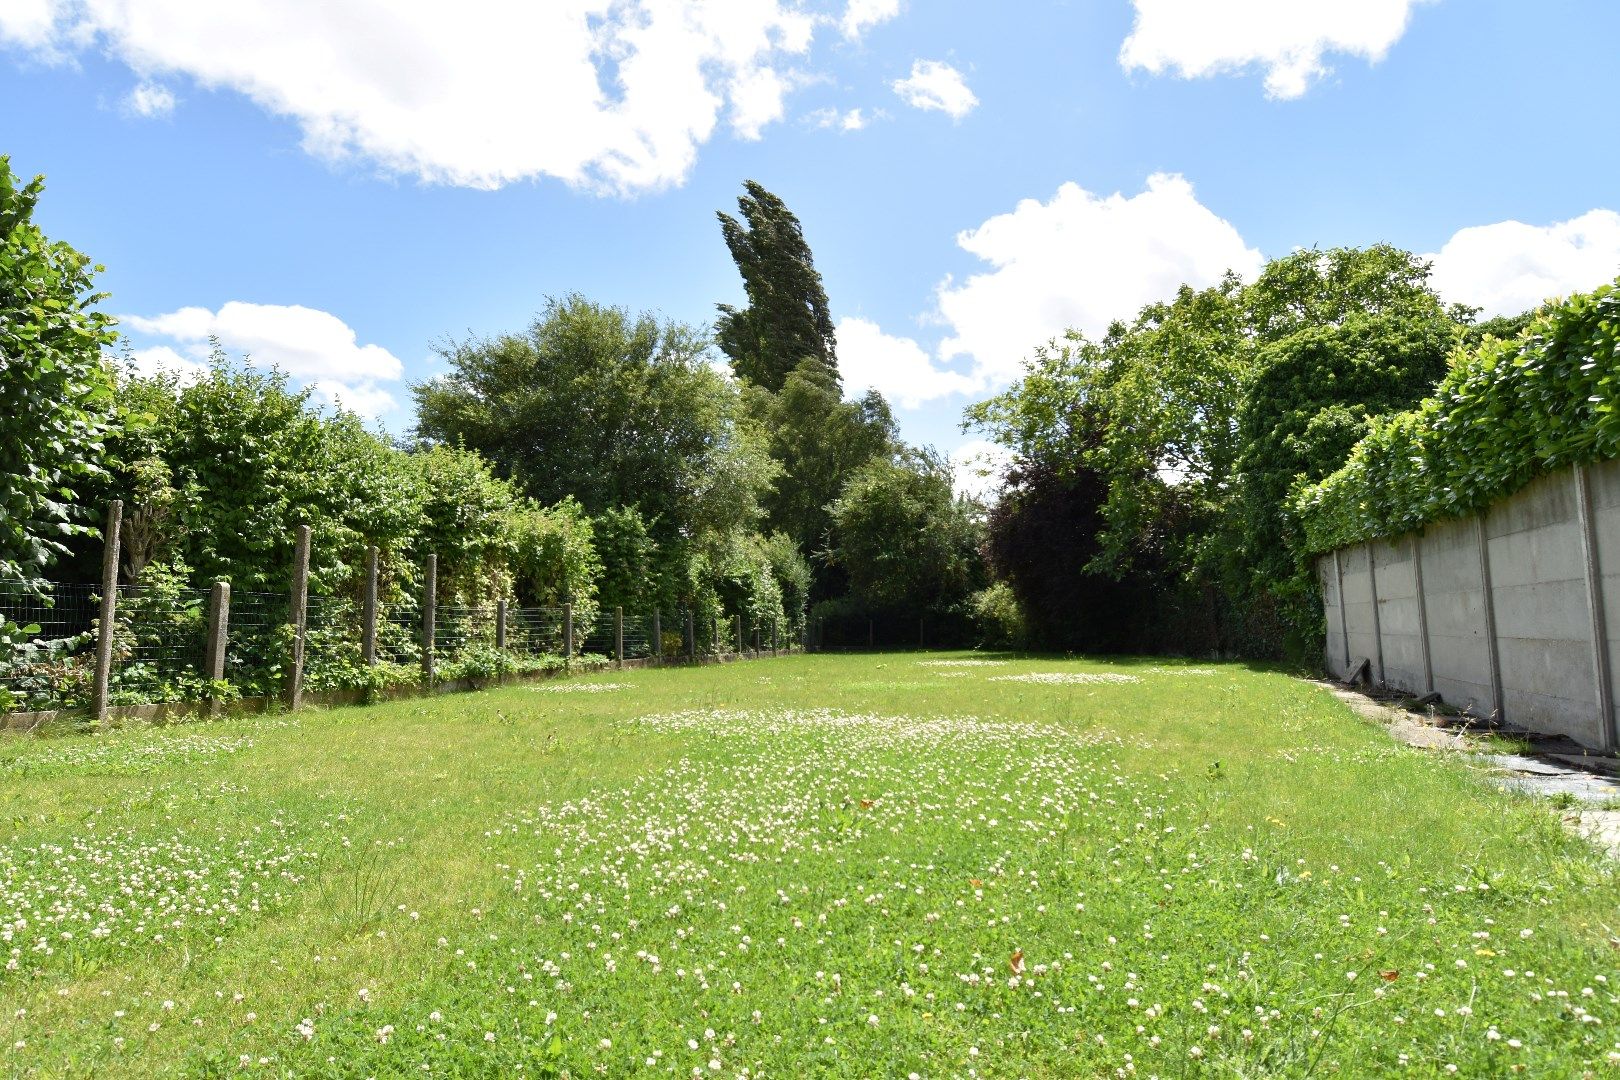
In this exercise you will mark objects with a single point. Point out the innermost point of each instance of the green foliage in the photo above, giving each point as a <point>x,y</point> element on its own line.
<point>820,440</point>
<point>611,410</point>
<point>793,576</point>
<point>787,320</point>
<point>553,555</point>
<point>465,507</point>
<point>905,540</point>
<point>999,617</point>
<point>629,559</point>
<point>55,386</point>
<point>1317,391</point>
<point>1161,410</point>
<point>220,470</point>
<point>1507,412</point>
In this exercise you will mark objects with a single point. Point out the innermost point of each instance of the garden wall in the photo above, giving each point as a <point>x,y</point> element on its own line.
<point>1513,614</point>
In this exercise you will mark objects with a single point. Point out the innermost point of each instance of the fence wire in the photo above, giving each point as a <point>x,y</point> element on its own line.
<point>399,631</point>
<point>161,632</point>
<point>56,666</point>
<point>535,631</point>
<point>256,642</point>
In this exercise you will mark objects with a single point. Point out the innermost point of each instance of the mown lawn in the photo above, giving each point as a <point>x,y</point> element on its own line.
<point>831,865</point>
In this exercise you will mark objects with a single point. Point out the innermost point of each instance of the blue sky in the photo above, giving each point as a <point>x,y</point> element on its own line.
<point>337,185</point>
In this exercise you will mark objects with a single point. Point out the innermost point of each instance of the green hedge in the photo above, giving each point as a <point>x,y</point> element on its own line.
<point>1506,413</point>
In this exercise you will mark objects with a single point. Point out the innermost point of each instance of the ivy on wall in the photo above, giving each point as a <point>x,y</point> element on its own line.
<point>1506,413</point>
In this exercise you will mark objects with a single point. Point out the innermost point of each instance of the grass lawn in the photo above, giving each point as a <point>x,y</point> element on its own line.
<point>826,865</point>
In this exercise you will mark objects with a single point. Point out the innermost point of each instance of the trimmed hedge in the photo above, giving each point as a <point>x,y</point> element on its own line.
<point>1506,413</point>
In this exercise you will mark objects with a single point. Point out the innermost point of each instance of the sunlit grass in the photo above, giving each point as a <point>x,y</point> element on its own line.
<point>862,866</point>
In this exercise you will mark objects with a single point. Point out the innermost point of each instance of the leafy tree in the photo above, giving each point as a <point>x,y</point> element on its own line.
<point>787,319</point>
<point>629,557</point>
<point>1153,409</point>
<point>553,555</point>
<point>465,510</point>
<point>1506,412</point>
<point>904,538</point>
<point>820,440</point>
<point>793,577</point>
<point>1317,391</point>
<point>1042,540</point>
<point>55,384</point>
<point>611,410</point>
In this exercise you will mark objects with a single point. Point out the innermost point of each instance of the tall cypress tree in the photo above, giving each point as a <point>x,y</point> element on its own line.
<point>786,320</point>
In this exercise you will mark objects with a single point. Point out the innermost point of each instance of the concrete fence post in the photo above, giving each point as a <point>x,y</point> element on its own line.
<point>714,634</point>
<point>773,635</point>
<point>299,618</point>
<point>430,606</point>
<point>500,625</point>
<point>1603,687</point>
<point>1378,629</point>
<point>1344,621</point>
<point>657,650</point>
<point>568,632</point>
<point>219,621</point>
<point>871,636</point>
<point>368,610</point>
<point>691,636</point>
<point>1423,615</point>
<point>109,611</point>
<point>742,644</point>
<point>922,632</point>
<point>618,636</point>
<point>1492,646</point>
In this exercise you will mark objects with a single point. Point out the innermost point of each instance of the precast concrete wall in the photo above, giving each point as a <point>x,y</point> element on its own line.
<point>1502,615</point>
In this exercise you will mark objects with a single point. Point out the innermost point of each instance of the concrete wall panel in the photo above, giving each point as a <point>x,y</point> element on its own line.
<point>1456,607</point>
<point>1333,649</point>
<point>1604,481</point>
<point>1539,593</point>
<point>1358,611</point>
<point>1398,615</point>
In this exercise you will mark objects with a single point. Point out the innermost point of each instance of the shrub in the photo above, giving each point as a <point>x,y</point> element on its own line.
<point>1507,412</point>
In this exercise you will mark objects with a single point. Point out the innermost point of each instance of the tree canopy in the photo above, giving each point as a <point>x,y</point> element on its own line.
<point>786,320</point>
<point>54,381</point>
<point>611,409</point>
<point>1178,408</point>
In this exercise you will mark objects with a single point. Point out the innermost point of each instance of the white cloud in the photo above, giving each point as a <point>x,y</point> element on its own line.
<point>367,399</point>
<point>862,15</point>
<point>936,85</point>
<point>28,23</point>
<point>1081,261</point>
<point>978,466</point>
<point>1288,39</point>
<point>161,358</point>
<point>150,100</point>
<point>1511,267</point>
<point>315,347</point>
<point>898,368</point>
<point>853,120</point>
<point>611,95</point>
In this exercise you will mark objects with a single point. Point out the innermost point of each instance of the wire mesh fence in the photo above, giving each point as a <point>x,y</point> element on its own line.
<point>158,644</point>
<point>457,629</point>
<point>399,631</point>
<point>637,637</point>
<point>161,633</point>
<point>55,666</point>
<point>257,641</point>
<point>535,631</point>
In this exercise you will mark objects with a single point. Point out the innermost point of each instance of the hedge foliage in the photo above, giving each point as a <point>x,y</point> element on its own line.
<point>1506,413</point>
